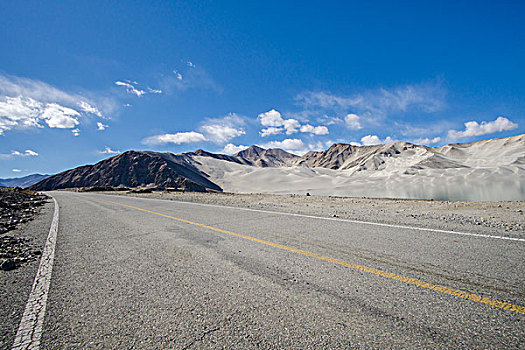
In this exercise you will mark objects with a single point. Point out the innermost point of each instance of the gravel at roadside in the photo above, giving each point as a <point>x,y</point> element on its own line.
<point>17,207</point>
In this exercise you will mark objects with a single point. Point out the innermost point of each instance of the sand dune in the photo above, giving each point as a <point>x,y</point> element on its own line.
<point>485,170</point>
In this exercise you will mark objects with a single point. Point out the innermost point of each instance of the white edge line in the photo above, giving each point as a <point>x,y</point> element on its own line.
<point>30,328</point>
<point>348,220</point>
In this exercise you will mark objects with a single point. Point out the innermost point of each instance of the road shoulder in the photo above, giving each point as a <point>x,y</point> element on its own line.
<point>15,285</point>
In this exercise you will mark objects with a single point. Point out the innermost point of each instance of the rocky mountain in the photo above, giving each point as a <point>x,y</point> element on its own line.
<point>263,158</point>
<point>23,182</point>
<point>485,170</point>
<point>132,169</point>
<point>254,156</point>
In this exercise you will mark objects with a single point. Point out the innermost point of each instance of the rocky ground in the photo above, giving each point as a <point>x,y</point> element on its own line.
<point>505,218</point>
<point>17,206</point>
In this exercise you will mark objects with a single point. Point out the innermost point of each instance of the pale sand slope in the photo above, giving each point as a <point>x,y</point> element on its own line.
<point>493,170</point>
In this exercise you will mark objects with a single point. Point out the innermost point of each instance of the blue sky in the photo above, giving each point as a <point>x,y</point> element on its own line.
<point>81,81</point>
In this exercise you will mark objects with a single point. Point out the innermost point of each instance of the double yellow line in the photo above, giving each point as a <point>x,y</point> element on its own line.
<point>436,287</point>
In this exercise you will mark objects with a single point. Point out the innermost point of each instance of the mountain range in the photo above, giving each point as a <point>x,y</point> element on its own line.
<point>485,170</point>
<point>23,182</point>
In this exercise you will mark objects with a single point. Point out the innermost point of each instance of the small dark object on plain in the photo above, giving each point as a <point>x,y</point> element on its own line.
<point>308,194</point>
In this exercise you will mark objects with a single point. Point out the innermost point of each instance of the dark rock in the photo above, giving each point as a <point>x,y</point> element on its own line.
<point>7,265</point>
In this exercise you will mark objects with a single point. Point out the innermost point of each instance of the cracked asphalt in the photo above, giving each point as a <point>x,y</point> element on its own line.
<point>130,279</point>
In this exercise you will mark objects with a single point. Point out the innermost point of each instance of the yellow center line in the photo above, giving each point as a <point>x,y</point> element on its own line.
<point>436,287</point>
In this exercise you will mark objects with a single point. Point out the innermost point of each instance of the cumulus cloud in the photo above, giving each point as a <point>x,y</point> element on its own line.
<point>190,64</point>
<point>271,131</point>
<point>291,126</point>
<point>232,149</point>
<point>221,133</point>
<point>26,103</point>
<point>15,153</point>
<point>16,170</point>
<point>24,112</point>
<point>374,140</point>
<point>57,116</point>
<point>130,88</point>
<point>352,121</point>
<point>75,132</point>
<point>474,128</point>
<point>221,130</point>
<point>275,124</point>
<point>101,126</point>
<point>271,118</point>
<point>287,144</point>
<point>427,141</point>
<point>108,150</point>
<point>177,138</point>
<point>315,130</point>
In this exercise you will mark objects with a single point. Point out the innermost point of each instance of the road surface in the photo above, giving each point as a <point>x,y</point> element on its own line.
<point>155,274</point>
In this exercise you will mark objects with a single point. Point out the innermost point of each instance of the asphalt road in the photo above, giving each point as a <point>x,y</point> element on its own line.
<point>153,274</point>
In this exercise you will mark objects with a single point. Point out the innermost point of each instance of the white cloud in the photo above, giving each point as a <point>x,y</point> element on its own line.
<point>86,107</point>
<point>192,78</point>
<point>108,150</point>
<point>16,170</point>
<point>130,88</point>
<point>379,103</point>
<point>473,128</point>
<point>271,131</point>
<point>36,90</point>
<point>101,126</point>
<point>232,149</point>
<point>287,144</point>
<point>75,132</point>
<point>319,146</point>
<point>291,126</point>
<point>57,116</point>
<point>221,133</point>
<point>190,64</point>
<point>178,138</point>
<point>26,103</point>
<point>352,122</point>
<point>273,119</point>
<point>374,140</point>
<point>27,153</point>
<point>221,130</point>
<point>427,141</point>
<point>326,120</point>
<point>13,154</point>
<point>154,91</point>
<point>177,74</point>
<point>20,112</point>
<point>315,130</point>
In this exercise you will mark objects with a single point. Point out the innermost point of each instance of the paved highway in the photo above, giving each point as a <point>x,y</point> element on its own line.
<point>155,274</point>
